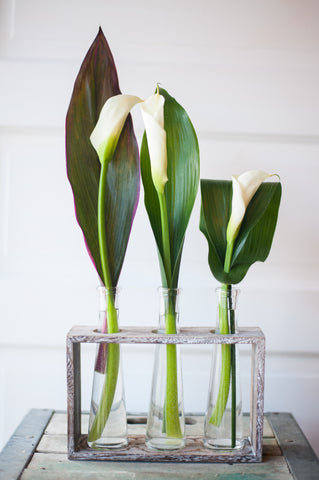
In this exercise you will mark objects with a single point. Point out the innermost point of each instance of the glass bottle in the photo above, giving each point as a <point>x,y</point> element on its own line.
<point>107,422</point>
<point>165,428</point>
<point>224,417</point>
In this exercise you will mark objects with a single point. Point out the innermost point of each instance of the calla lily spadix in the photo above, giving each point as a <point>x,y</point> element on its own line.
<point>153,117</point>
<point>109,126</point>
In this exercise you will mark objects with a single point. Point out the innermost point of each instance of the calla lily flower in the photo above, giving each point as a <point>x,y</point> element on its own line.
<point>153,117</point>
<point>244,188</point>
<point>109,126</point>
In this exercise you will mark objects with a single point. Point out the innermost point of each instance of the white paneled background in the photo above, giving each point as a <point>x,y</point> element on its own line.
<point>247,72</point>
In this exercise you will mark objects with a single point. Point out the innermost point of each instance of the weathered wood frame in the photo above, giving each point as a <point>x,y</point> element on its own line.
<point>194,450</point>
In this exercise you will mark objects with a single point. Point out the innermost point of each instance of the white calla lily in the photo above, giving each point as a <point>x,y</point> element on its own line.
<point>107,131</point>
<point>109,126</point>
<point>244,188</point>
<point>153,117</point>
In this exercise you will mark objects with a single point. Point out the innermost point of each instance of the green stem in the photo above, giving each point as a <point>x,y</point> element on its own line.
<point>113,351</point>
<point>224,384</point>
<point>172,424</point>
<point>105,405</point>
<point>173,428</point>
<point>228,360</point>
<point>228,256</point>
<point>171,416</point>
<point>165,239</point>
<point>107,279</point>
<point>233,371</point>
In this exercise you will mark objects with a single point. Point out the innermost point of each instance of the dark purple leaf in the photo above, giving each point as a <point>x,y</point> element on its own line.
<point>96,82</point>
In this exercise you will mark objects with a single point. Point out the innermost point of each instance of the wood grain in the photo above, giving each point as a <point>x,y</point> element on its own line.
<point>284,448</point>
<point>190,335</point>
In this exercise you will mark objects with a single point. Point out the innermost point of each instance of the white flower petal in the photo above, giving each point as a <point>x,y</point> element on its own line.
<point>244,188</point>
<point>250,182</point>
<point>154,106</point>
<point>153,117</point>
<point>112,117</point>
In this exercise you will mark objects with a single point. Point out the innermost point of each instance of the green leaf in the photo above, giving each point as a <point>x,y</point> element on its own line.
<point>182,185</point>
<point>96,82</point>
<point>256,233</point>
<point>214,216</point>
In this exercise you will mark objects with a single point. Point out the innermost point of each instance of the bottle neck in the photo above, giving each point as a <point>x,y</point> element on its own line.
<point>169,310</point>
<point>108,308</point>
<point>226,320</point>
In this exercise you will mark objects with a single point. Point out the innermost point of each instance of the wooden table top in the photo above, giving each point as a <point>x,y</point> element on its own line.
<point>38,450</point>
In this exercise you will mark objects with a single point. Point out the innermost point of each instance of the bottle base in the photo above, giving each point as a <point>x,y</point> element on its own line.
<point>222,444</point>
<point>111,443</point>
<point>165,443</point>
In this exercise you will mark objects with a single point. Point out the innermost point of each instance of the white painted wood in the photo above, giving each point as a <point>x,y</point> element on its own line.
<point>230,98</point>
<point>256,105</point>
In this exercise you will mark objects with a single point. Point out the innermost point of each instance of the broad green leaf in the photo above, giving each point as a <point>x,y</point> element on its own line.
<point>181,188</point>
<point>256,233</point>
<point>215,213</point>
<point>96,82</point>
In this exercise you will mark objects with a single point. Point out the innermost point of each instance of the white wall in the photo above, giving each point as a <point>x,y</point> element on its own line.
<point>247,73</point>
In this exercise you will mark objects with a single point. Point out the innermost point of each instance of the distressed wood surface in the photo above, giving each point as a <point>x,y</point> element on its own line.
<point>18,451</point>
<point>190,335</point>
<point>57,466</point>
<point>257,393</point>
<point>50,462</point>
<point>137,451</point>
<point>300,457</point>
<point>51,457</point>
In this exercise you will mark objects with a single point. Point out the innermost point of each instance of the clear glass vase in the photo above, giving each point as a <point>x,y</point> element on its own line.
<point>224,416</point>
<point>107,422</point>
<point>165,428</point>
